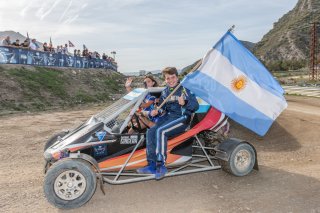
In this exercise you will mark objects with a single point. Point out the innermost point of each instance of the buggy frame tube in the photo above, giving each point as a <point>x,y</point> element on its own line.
<point>134,177</point>
<point>128,159</point>
<point>196,136</point>
<point>133,110</point>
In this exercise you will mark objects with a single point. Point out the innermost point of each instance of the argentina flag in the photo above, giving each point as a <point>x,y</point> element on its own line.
<point>235,82</point>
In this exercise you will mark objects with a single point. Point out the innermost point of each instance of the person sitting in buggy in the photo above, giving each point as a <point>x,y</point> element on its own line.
<point>143,114</point>
<point>176,116</point>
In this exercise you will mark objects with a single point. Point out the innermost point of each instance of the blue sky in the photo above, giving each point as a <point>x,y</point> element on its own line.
<point>146,34</point>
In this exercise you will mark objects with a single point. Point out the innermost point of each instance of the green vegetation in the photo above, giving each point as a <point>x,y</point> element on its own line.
<point>28,88</point>
<point>34,83</point>
<point>286,65</point>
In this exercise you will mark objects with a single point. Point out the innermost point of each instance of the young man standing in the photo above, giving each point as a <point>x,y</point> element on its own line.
<point>176,117</point>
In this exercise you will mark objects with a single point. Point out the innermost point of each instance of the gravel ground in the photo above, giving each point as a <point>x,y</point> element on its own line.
<point>288,179</point>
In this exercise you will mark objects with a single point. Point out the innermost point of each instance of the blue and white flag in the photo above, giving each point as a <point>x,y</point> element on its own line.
<point>235,82</point>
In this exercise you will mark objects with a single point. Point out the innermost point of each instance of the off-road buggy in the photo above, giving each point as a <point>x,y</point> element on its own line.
<point>101,150</point>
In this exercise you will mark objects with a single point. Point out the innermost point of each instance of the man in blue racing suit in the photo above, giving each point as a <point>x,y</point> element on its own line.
<point>177,113</point>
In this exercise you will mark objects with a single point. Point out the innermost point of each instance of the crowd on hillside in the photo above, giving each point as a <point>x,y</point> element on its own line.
<point>64,49</point>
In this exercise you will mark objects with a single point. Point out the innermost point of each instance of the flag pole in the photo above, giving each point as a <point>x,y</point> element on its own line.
<point>169,96</point>
<point>231,29</point>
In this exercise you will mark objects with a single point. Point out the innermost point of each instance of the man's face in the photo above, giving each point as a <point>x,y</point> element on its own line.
<point>171,80</point>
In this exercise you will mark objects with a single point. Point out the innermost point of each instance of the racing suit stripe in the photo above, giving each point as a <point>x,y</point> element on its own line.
<point>160,135</point>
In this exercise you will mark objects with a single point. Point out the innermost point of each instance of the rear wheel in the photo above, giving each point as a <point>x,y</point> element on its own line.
<point>70,183</point>
<point>241,161</point>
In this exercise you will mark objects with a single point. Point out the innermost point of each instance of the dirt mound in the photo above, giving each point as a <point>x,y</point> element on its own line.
<point>39,88</point>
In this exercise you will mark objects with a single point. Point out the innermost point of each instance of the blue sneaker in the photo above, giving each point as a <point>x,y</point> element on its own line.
<point>161,171</point>
<point>149,169</point>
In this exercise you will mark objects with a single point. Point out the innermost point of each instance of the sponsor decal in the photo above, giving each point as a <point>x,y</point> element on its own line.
<point>100,150</point>
<point>132,139</point>
<point>101,135</point>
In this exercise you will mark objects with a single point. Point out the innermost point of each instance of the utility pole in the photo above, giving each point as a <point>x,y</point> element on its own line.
<point>314,63</point>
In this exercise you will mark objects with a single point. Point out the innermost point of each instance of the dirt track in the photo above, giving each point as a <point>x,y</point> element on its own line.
<point>288,180</point>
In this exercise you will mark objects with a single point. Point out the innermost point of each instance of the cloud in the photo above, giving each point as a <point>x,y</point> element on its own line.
<point>65,11</point>
<point>25,9</point>
<point>147,34</point>
<point>43,11</point>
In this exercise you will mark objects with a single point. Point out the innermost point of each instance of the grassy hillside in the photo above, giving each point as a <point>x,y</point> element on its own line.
<point>38,88</point>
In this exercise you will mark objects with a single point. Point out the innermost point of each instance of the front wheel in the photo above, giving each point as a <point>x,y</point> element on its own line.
<point>241,161</point>
<point>70,183</point>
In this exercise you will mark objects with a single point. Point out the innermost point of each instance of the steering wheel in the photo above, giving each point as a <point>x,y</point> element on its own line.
<point>139,129</point>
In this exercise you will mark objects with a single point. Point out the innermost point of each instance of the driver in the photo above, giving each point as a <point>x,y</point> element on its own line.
<point>176,117</point>
<point>145,119</point>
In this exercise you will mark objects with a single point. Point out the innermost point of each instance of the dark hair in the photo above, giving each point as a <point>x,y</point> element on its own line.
<point>152,79</point>
<point>170,71</point>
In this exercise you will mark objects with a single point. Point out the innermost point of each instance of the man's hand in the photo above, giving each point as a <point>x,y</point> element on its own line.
<point>154,112</point>
<point>181,100</point>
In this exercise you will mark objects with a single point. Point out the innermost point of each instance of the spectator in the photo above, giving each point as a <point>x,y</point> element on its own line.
<point>45,47</point>
<point>33,45</point>
<point>79,53</point>
<point>51,49</point>
<point>65,49</point>
<point>104,56</point>
<point>58,49</point>
<point>6,41</point>
<point>16,43</point>
<point>25,44</point>
<point>75,53</point>
<point>94,55</point>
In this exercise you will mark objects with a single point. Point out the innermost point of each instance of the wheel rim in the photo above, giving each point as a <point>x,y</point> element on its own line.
<point>243,160</point>
<point>70,185</point>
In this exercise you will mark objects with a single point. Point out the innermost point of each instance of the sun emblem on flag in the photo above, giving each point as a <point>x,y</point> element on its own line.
<point>239,83</point>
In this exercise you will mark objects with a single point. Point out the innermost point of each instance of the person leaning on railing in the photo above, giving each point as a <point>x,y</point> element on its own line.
<point>45,47</point>
<point>16,43</point>
<point>6,41</point>
<point>33,45</point>
<point>25,44</point>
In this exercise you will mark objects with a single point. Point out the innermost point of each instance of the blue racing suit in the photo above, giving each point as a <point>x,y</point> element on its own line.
<point>174,121</point>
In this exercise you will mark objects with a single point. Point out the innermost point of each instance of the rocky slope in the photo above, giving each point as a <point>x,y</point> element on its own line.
<point>290,37</point>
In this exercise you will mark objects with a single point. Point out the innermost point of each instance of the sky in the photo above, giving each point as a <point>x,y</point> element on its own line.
<point>146,34</point>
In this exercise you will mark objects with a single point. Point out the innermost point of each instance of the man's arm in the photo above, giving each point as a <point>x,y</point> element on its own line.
<point>161,99</point>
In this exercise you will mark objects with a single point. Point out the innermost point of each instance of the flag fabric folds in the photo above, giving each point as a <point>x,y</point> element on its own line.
<point>235,82</point>
<point>70,44</point>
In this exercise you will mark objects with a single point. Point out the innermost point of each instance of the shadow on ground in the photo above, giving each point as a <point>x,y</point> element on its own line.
<point>267,190</point>
<point>277,139</point>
